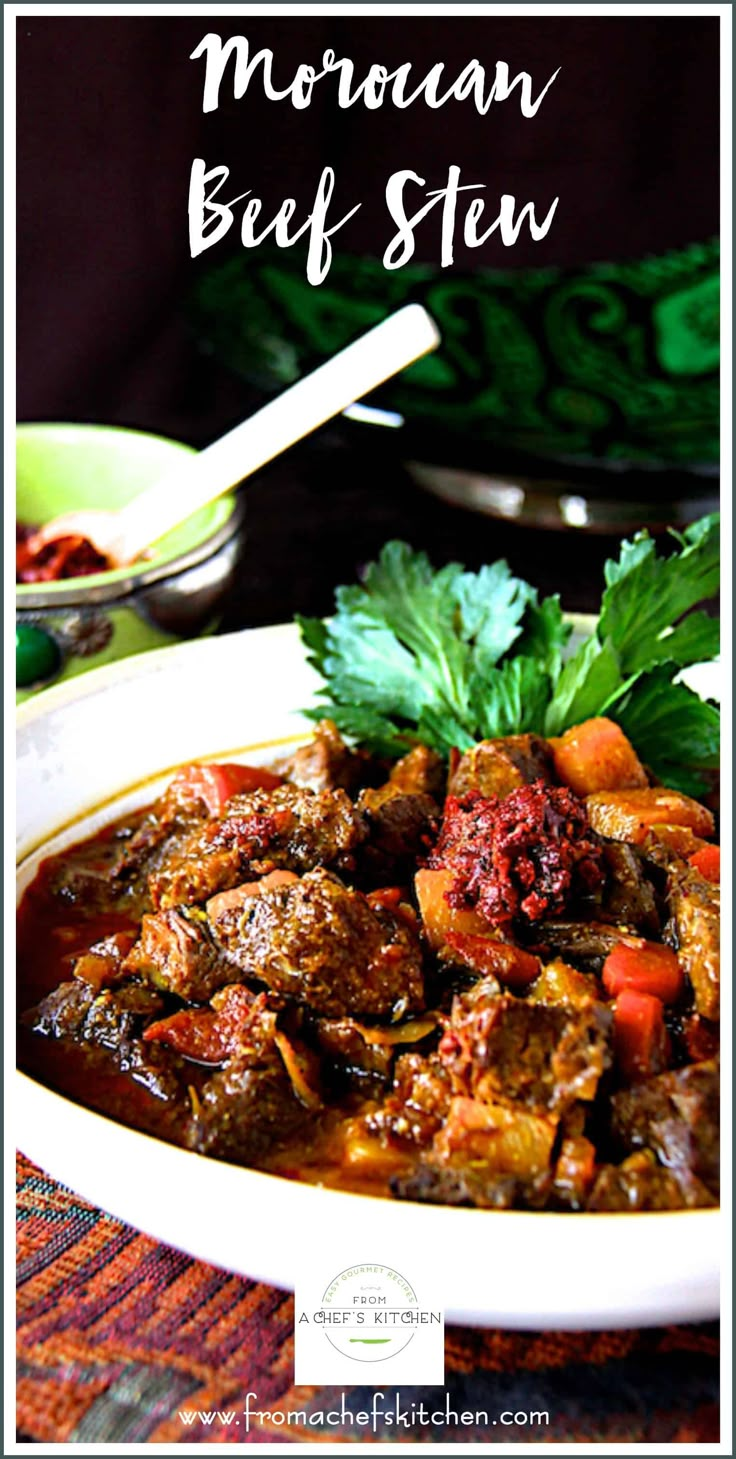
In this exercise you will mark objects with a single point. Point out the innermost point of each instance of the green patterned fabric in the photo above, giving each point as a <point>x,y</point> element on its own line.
<point>615,361</point>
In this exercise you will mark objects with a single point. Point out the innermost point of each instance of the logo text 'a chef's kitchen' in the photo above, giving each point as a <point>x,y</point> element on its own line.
<point>370,1313</point>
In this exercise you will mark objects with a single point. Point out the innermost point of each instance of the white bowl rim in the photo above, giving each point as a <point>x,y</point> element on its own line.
<point>567,1232</point>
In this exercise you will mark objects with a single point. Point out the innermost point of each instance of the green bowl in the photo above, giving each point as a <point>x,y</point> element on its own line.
<point>64,628</point>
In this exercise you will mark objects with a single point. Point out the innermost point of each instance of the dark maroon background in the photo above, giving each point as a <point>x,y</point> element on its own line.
<point>110,118</point>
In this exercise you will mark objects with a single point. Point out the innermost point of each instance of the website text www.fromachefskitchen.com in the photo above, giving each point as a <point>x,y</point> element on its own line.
<point>387,1414</point>
<point>454,206</point>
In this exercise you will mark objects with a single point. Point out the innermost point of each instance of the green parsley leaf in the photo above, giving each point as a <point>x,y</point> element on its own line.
<point>646,594</point>
<point>545,633</point>
<point>377,730</point>
<point>451,657</point>
<point>587,681</point>
<point>491,605</point>
<point>512,699</point>
<point>676,733</point>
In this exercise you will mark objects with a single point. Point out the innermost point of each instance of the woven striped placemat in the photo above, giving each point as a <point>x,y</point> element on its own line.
<point>124,1340</point>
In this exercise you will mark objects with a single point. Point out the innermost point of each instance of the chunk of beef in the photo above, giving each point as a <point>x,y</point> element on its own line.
<point>496,767</point>
<point>418,1104</point>
<point>245,1110</point>
<point>114,1020</point>
<point>628,815</point>
<point>117,1016</point>
<point>88,876</point>
<point>401,829</point>
<point>499,1048</point>
<point>676,1115</point>
<point>421,772</point>
<point>159,1070</point>
<point>63,1013</point>
<point>365,1054</point>
<point>289,827</point>
<point>695,905</point>
<point>580,943</point>
<point>77,1010</point>
<point>640,1184</point>
<point>628,897</point>
<point>357,1061</point>
<point>700,1038</point>
<point>194,872</point>
<point>324,945</point>
<point>468,1185</point>
<point>165,827</point>
<point>327,763</point>
<point>102,966</point>
<point>176,952</point>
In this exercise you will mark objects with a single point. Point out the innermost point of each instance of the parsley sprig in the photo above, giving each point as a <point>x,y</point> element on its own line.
<point>452,657</point>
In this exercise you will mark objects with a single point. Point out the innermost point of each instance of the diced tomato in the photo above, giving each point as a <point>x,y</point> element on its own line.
<point>484,954</point>
<point>394,899</point>
<point>647,968</point>
<point>214,784</point>
<point>193,1032</point>
<point>388,897</point>
<point>708,862</point>
<point>209,1034</point>
<point>640,1040</point>
<point>596,755</point>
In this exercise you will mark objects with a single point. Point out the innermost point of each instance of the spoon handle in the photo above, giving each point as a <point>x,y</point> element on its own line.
<point>387,348</point>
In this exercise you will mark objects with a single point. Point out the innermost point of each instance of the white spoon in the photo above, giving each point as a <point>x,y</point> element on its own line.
<point>122,535</point>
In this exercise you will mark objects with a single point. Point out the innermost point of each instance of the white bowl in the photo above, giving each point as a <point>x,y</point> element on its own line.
<point>92,749</point>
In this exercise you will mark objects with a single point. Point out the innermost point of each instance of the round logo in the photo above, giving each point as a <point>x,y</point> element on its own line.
<point>369,1313</point>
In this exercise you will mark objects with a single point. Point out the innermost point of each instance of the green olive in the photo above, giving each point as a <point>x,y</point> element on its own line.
<point>37,655</point>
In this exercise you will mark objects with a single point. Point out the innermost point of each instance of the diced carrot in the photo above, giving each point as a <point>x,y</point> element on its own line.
<point>596,755</point>
<point>214,784</point>
<point>627,815</point>
<point>708,862</point>
<point>640,1041</point>
<point>438,917</point>
<point>649,968</point>
<point>485,954</point>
